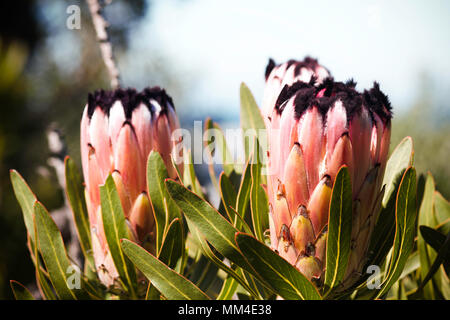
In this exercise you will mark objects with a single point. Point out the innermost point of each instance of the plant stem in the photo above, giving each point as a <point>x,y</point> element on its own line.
<point>100,26</point>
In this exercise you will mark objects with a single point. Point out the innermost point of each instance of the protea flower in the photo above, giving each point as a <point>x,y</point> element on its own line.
<point>313,131</point>
<point>278,76</point>
<point>118,131</point>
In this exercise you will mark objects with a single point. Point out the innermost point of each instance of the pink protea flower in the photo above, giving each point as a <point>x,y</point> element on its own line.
<point>119,129</point>
<point>278,76</point>
<point>313,131</point>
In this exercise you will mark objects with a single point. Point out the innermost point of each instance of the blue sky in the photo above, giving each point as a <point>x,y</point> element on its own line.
<point>225,42</point>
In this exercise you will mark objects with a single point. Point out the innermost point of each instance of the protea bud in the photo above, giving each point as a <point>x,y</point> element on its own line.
<point>278,76</point>
<point>313,131</point>
<point>118,131</point>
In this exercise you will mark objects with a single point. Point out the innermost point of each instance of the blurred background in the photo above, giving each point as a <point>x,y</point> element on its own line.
<point>201,51</point>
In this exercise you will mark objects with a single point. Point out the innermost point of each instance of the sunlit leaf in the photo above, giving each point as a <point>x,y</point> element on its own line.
<point>20,291</point>
<point>216,229</point>
<point>51,247</point>
<point>251,118</point>
<point>426,218</point>
<point>405,218</point>
<point>156,174</point>
<point>285,279</point>
<point>171,284</point>
<point>339,229</point>
<point>116,228</point>
<point>383,234</point>
<point>75,194</point>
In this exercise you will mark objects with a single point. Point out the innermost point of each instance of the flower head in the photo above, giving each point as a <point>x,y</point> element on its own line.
<point>313,131</point>
<point>285,74</point>
<point>118,131</point>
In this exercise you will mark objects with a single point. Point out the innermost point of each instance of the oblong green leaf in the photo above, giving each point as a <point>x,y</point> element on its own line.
<point>228,195</point>
<point>441,208</point>
<point>228,289</point>
<point>26,199</point>
<point>171,284</point>
<point>216,229</point>
<point>75,195</point>
<point>339,229</point>
<point>426,218</point>
<point>400,159</point>
<point>251,118</point>
<point>383,234</point>
<point>243,197</point>
<point>116,228</point>
<point>156,174</point>
<point>437,241</point>
<point>259,204</point>
<point>442,245</point>
<point>20,291</point>
<point>208,252</point>
<point>173,244</point>
<point>51,247</point>
<point>405,218</point>
<point>279,274</point>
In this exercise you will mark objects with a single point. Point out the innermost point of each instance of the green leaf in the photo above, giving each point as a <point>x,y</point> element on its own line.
<point>228,289</point>
<point>75,194</point>
<point>173,244</point>
<point>228,195</point>
<point>243,197</point>
<point>41,275</point>
<point>116,228</point>
<point>214,140</point>
<point>20,291</point>
<point>171,284</point>
<point>26,199</point>
<point>443,256</point>
<point>208,252</point>
<point>384,231</point>
<point>227,158</point>
<point>156,174</point>
<point>405,218</point>
<point>426,218</point>
<point>399,161</point>
<point>339,229</point>
<point>251,119</point>
<point>437,241</point>
<point>259,204</point>
<point>51,247</point>
<point>216,229</point>
<point>285,279</point>
<point>190,178</point>
<point>442,208</point>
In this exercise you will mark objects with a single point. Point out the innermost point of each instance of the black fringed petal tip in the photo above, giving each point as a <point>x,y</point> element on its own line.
<point>130,99</point>
<point>305,96</point>
<point>308,63</point>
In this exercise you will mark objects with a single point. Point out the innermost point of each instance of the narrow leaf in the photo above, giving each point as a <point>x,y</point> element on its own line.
<point>116,228</point>
<point>156,174</point>
<point>339,229</point>
<point>171,284</point>
<point>20,291</point>
<point>26,199</point>
<point>75,194</point>
<point>426,218</point>
<point>251,118</point>
<point>173,244</point>
<point>285,279</point>
<point>228,195</point>
<point>216,229</point>
<point>405,218</point>
<point>51,247</point>
<point>383,234</point>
